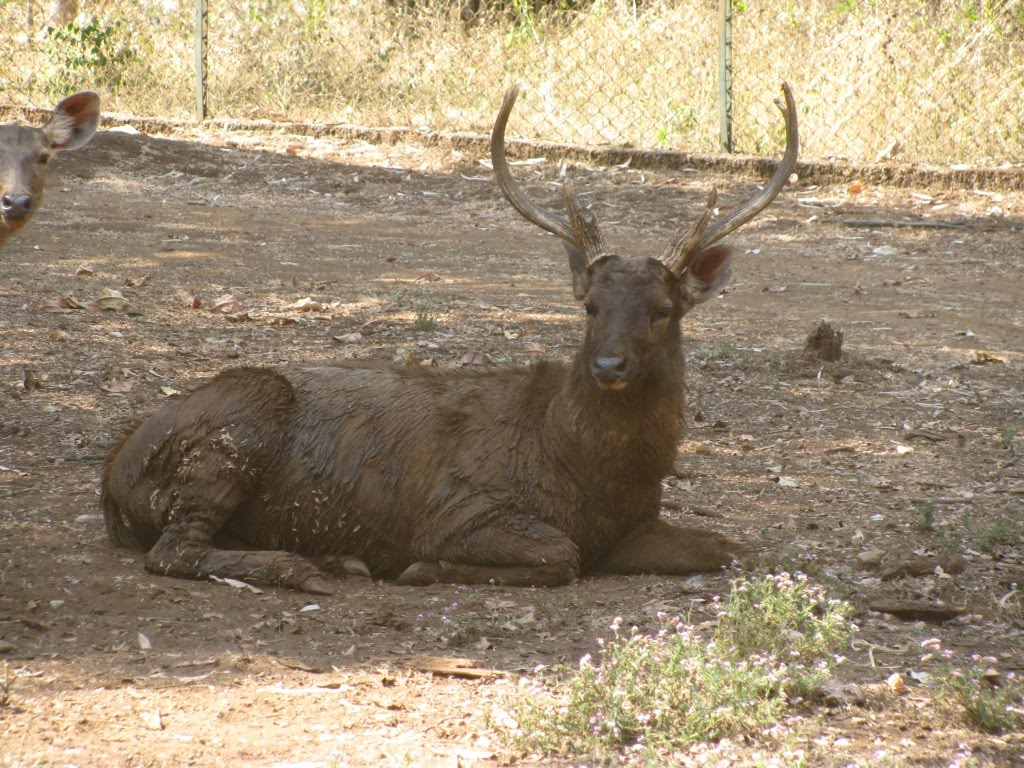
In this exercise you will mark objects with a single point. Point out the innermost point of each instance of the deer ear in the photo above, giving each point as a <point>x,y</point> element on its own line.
<point>706,274</point>
<point>580,273</point>
<point>74,121</point>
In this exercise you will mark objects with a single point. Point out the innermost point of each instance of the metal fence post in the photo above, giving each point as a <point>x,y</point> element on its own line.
<point>201,29</point>
<point>725,74</point>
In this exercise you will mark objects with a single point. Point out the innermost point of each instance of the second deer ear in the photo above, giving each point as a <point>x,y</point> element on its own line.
<point>706,275</point>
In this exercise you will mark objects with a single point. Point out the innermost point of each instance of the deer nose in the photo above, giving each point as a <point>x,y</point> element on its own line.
<point>609,371</point>
<point>15,207</point>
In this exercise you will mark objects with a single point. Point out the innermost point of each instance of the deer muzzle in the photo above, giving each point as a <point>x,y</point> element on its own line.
<point>15,208</point>
<point>610,371</point>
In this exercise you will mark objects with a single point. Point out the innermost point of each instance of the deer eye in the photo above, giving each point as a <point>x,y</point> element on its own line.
<point>664,312</point>
<point>591,308</point>
<point>43,159</point>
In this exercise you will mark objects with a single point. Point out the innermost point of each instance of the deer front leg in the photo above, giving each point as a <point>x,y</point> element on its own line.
<point>659,547</point>
<point>180,553</point>
<point>207,490</point>
<point>517,551</point>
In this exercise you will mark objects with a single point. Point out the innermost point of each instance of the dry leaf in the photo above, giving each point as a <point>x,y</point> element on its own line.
<point>237,584</point>
<point>895,683</point>
<point>308,305</point>
<point>84,271</point>
<point>144,642</point>
<point>534,348</point>
<point>117,386</point>
<point>984,358</point>
<point>915,314</point>
<point>170,392</point>
<point>30,381</point>
<point>70,302</point>
<point>189,298</point>
<point>349,338</point>
<point>55,308</point>
<point>299,665</point>
<point>226,304</point>
<point>112,301</point>
<point>917,610</point>
<point>111,304</point>
<point>283,321</point>
<point>428,277</point>
<point>453,667</point>
<point>405,356</point>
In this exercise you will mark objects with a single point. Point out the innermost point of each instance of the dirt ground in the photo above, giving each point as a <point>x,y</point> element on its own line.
<point>892,475</point>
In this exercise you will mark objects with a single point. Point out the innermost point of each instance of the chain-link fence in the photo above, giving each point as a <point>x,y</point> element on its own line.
<point>932,81</point>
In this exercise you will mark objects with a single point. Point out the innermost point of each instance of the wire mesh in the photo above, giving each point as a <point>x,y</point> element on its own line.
<point>923,81</point>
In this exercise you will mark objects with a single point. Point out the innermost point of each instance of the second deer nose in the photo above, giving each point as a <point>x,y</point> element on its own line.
<point>16,207</point>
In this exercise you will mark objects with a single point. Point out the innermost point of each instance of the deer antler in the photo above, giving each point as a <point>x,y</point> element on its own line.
<point>587,236</point>
<point>701,236</point>
<point>581,233</point>
<point>685,243</point>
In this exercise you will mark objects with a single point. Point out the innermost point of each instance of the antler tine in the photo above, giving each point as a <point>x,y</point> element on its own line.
<point>546,220</point>
<point>760,201</point>
<point>677,256</point>
<point>584,226</point>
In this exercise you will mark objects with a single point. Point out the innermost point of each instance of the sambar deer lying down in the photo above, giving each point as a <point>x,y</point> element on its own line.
<point>522,476</point>
<point>25,153</point>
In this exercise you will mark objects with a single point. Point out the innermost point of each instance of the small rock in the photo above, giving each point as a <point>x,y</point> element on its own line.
<point>836,694</point>
<point>870,558</point>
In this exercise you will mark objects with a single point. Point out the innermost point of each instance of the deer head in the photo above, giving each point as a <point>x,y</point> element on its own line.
<point>634,305</point>
<point>25,153</point>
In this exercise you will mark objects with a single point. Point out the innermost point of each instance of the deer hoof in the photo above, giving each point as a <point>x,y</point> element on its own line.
<point>353,566</point>
<point>316,585</point>
<point>420,575</point>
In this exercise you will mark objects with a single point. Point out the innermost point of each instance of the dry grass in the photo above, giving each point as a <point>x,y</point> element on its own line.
<point>939,79</point>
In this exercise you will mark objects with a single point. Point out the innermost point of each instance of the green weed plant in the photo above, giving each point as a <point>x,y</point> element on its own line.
<point>774,643</point>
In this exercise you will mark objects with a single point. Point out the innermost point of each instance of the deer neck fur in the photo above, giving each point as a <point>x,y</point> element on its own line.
<point>625,436</point>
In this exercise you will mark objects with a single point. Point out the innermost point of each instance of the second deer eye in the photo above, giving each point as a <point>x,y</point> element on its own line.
<point>591,308</point>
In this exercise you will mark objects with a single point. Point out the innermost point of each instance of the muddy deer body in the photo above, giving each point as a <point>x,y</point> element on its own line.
<point>25,154</point>
<point>523,476</point>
